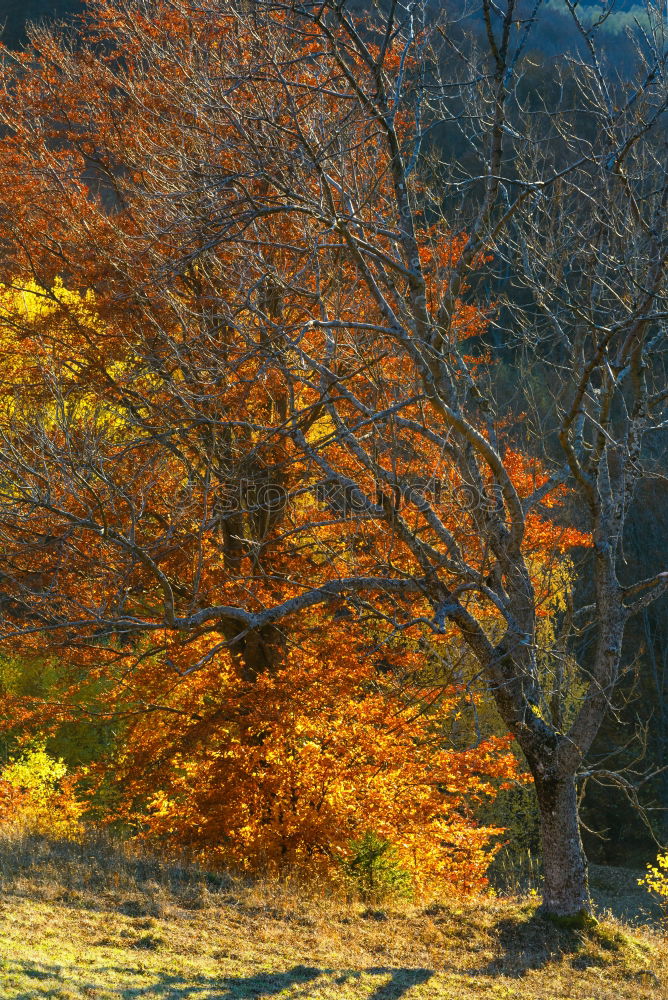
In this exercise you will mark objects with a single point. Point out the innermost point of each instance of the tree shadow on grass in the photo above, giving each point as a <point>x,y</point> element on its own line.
<point>524,945</point>
<point>168,986</point>
<point>401,980</point>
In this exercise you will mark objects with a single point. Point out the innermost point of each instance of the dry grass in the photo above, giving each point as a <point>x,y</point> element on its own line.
<point>90,922</point>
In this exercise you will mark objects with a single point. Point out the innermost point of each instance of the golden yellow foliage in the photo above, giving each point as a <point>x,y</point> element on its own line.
<point>37,797</point>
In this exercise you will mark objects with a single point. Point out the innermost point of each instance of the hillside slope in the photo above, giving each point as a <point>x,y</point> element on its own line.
<point>86,923</point>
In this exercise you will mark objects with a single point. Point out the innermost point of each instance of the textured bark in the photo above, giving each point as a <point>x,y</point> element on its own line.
<point>566,887</point>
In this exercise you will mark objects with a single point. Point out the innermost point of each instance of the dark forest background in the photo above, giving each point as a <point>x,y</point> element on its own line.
<point>553,35</point>
<point>14,14</point>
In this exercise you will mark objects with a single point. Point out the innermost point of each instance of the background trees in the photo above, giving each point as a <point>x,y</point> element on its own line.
<point>266,390</point>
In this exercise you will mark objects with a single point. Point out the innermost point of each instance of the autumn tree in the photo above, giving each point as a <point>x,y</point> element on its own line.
<point>273,396</point>
<point>267,747</point>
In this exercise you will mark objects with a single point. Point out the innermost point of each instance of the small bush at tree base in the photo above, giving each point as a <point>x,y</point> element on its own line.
<point>373,869</point>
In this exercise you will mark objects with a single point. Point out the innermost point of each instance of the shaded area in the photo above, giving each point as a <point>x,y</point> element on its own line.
<point>15,13</point>
<point>537,942</point>
<point>531,944</point>
<point>401,980</point>
<point>175,986</point>
<point>616,890</point>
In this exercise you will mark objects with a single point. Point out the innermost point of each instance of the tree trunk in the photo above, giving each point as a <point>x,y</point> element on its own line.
<point>566,885</point>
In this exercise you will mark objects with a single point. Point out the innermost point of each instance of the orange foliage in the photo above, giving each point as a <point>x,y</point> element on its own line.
<point>284,773</point>
<point>180,357</point>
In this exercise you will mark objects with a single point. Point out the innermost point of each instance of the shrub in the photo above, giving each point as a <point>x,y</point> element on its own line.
<point>373,869</point>
<point>37,796</point>
<point>656,881</point>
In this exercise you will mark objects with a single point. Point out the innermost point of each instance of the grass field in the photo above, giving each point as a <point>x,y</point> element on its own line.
<point>84,922</point>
